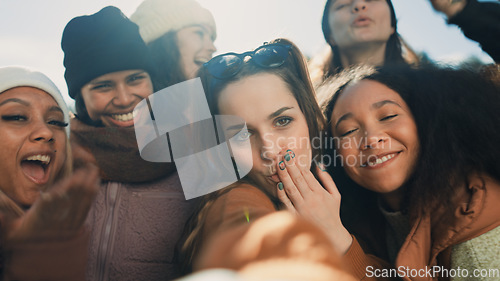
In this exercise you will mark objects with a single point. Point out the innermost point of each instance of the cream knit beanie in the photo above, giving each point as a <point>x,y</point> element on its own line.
<point>157,17</point>
<point>16,76</point>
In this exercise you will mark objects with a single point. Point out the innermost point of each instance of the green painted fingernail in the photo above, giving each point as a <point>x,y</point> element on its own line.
<point>282,165</point>
<point>280,185</point>
<point>287,157</point>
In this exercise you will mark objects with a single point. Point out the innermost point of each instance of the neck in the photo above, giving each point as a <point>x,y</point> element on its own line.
<point>392,200</point>
<point>365,54</point>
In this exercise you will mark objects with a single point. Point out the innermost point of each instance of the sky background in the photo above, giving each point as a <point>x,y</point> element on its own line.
<point>31,30</point>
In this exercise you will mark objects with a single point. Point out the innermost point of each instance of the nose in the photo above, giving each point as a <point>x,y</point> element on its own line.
<point>374,139</point>
<point>359,5</point>
<point>270,148</point>
<point>209,45</point>
<point>124,96</point>
<point>42,133</point>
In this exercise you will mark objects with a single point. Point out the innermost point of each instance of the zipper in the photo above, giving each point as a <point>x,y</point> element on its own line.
<point>106,234</point>
<point>158,194</point>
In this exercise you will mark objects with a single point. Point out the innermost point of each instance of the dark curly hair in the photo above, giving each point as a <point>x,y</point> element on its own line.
<point>457,115</point>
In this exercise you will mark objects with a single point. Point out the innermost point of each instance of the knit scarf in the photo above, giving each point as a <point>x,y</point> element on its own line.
<point>114,150</point>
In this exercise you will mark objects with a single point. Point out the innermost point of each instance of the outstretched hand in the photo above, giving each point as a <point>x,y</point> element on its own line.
<point>449,7</point>
<point>318,202</point>
<point>59,211</point>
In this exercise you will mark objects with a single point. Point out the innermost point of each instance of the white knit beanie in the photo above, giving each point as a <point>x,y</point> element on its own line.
<point>157,17</point>
<point>17,76</point>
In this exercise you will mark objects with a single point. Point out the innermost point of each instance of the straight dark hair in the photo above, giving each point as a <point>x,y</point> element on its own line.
<point>393,51</point>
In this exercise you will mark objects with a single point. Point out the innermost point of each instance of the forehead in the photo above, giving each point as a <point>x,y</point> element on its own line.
<point>362,95</point>
<point>263,93</point>
<point>27,93</point>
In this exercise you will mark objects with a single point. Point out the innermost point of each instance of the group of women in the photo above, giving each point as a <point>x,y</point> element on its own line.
<point>412,152</point>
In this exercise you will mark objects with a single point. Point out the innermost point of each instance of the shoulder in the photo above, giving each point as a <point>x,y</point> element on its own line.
<point>240,204</point>
<point>477,211</point>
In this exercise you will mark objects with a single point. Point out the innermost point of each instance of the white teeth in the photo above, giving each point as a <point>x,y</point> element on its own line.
<point>380,160</point>
<point>123,117</point>
<point>45,159</point>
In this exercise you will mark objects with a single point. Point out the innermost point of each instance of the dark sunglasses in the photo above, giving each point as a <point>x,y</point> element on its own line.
<point>267,56</point>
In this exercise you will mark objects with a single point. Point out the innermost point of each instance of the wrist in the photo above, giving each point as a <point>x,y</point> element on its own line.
<point>456,6</point>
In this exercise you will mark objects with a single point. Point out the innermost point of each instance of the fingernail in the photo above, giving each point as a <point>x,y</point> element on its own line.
<point>291,153</point>
<point>322,167</point>
<point>281,164</point>
<point>287,157</point>
<point>280,185</point>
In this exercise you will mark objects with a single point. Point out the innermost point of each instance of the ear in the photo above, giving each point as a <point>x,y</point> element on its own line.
<point>331,41</point>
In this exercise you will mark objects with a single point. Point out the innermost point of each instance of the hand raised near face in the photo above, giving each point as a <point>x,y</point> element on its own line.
<point>449,7</point>
<point>317,201</point>
<point>60,210</point>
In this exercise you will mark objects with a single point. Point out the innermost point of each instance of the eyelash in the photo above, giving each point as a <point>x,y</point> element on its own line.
<point>283,118</point>
<point>56,123</point>
<point>388,117</point>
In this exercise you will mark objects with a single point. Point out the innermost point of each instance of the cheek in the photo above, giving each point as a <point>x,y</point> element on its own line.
<point>94,105</point>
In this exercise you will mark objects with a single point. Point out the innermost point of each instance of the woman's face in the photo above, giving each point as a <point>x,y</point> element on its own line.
<point>111,98</point>
<point>358,22</point>
<point>196,47</point>
<point>33,146</point>
<point>274,120</point>
<point>376,136</point>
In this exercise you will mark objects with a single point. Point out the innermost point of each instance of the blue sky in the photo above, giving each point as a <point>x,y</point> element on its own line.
<point>31,30</point>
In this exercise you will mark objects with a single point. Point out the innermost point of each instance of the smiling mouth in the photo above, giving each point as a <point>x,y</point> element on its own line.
<point>375,161</point>
<point>35,167</point>
<point>201,61</point>
<point>124,117</point>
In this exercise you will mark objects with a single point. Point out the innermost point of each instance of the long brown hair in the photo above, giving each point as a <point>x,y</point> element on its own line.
<point>295,74</point>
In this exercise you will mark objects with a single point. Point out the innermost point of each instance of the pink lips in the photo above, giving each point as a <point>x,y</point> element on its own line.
<point>361,21</point>
<point>275,178</point>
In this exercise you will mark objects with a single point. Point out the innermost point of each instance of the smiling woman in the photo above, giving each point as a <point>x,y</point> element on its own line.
<point>140,210</point>
<point>425,158</point>
<point>42,203</point>
<point>180,36</point>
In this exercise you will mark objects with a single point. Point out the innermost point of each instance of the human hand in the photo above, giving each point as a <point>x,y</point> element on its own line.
<point>449,7</point>
<point>60,210</point>
<point>318,202</point>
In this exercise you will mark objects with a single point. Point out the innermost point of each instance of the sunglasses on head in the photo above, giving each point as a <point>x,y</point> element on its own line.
<point>267,56</point>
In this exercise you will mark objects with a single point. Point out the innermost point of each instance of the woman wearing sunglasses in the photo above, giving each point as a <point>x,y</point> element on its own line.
<point>269,88</point>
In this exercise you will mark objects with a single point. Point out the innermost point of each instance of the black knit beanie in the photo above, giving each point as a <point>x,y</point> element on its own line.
<point>104,42</point>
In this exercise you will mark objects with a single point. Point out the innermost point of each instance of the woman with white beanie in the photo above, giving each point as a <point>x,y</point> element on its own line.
<point>179,34</point>
<point>42,203</point>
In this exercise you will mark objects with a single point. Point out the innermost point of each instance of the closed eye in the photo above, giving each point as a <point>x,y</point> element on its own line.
<point>348,133</point>
<point>388,117</point>
<point>58,123</point>
<point>101,87</point>
<point>14,118</point>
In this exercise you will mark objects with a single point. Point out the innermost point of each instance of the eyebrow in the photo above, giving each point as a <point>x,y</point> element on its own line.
<point>97,81</point>
<point>25,103</point>
<point>278,112</point>
<point>376,105</point>
<point>56,108</point>
<point>379,104</point>
<point>271,116</point>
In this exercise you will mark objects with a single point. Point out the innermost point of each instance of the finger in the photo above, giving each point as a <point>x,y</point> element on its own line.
<point>295,174</point>
<point>327,180</point>
<point>284,198</point>
<point>288,185</point>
